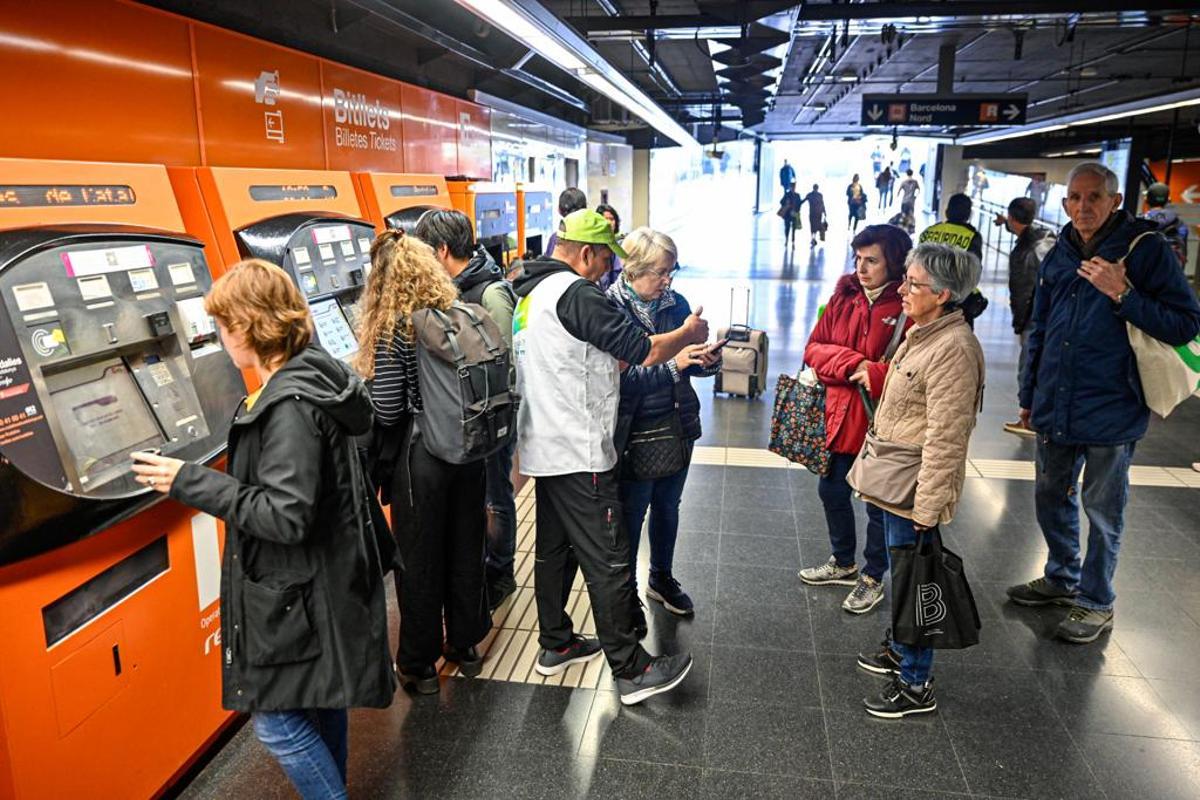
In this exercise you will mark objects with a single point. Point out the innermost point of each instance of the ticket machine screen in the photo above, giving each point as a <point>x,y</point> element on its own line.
<point>329,258</point>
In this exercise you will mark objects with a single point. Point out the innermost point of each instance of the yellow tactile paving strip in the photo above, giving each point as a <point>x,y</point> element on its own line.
<point>512,645</point>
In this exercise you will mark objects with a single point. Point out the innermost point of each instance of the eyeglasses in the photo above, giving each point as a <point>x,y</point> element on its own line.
<point>666,276</point>
<point>911,284</point>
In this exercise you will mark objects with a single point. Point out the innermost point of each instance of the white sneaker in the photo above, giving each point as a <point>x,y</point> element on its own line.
<point>830,574</point>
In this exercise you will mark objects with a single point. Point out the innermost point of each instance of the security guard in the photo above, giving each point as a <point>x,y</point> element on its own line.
<point>956,231</point>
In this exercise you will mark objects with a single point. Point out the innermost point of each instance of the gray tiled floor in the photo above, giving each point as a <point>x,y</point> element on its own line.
<point>773,706</point>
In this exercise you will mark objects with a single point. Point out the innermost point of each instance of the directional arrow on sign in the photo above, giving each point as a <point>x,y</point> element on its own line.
<point>1011,112</point>
<point>874,112</point>
<point>1191,194</point>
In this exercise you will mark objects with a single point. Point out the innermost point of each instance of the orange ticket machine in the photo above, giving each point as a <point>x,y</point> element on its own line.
<point>307,222</point>
<point>110,668</point>
<point>492,209</point>
<point>535,219</point>
<point>395,200</point>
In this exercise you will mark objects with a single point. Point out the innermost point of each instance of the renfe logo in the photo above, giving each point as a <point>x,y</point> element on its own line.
<point>356,109</point>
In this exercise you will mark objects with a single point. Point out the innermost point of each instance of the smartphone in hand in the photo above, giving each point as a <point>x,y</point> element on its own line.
<point>716,348</point>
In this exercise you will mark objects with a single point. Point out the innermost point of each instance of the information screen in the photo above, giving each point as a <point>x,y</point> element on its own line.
<point>332,329</point>
<point>104,418</point>
<point>40,195</point>
<point>296,191</point>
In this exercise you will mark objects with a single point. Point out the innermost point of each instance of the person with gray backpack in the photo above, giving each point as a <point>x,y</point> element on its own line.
<point>440,385</point>
<point>480,280</point>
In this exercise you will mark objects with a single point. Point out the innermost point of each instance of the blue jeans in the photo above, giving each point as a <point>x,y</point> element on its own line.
<point>1105,492</point>
<point>311,748</point>
<point>502,523</point>
<point>916,663</point>
<point>662,497</point>
<point>839,516</point>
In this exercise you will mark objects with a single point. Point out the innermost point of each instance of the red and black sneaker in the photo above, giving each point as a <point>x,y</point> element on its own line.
<point>580,650</point>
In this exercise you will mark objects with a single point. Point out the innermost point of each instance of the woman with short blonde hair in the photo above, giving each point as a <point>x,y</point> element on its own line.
<point>438,508</point>
<point>657,398</point>
<point>303,618</point>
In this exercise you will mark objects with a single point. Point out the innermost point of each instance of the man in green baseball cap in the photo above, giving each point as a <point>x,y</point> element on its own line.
<point>570,343</point>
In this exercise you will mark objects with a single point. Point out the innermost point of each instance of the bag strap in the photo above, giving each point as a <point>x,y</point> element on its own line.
<point>1129,252</point>
<point>459,357</point>
<point>897,335</point>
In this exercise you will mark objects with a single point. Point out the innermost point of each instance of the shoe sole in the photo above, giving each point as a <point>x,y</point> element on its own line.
<point>1085,639</point>
<point>682,612</point>
<point>874,670</point>
<point>850,610</point>
<point>1019,431</point>
<point>564,666</point>
<point>902,714</point>
<point>1050,601</point>
<point>633,698</point>
<point>849,580</point>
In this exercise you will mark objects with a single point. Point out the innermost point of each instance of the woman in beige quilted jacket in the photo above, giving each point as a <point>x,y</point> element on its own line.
<point>930,398</point>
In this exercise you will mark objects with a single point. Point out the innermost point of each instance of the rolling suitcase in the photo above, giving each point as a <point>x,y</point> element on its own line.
<point>744,359</point>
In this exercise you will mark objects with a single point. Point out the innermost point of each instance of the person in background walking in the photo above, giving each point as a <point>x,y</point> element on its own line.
<point>817,221</point>
<point>884,184</point>
<point>789,209</point>
<point>648,396</point>
<point>787,176</point>
<point>1032,244</point>
<point>303,615</point>
<point>853,334</point>
<point>856,201</point>
<point>931,396</point>
<point>1169,225</point>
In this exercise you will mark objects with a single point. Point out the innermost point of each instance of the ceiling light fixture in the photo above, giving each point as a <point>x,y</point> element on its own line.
<point>1149,105</point>
<point>534,26</point>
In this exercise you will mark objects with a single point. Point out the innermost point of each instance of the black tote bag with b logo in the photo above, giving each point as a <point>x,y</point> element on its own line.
<point>932,604</point>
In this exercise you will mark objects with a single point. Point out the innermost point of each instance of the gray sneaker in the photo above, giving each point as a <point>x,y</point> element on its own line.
<point>1040,592</point>
<point>865,595</point>
<point>1084,625</point>
<point>830,574</point>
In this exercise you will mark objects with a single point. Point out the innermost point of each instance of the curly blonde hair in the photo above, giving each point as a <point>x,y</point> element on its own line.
<point>405,277</point>
<point>258,301</point>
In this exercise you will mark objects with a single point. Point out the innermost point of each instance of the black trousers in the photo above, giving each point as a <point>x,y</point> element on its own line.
<point>579,521</point>
<point>440,521</point>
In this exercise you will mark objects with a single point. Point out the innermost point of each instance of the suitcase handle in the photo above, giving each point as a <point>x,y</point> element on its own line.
<point>732,298</point>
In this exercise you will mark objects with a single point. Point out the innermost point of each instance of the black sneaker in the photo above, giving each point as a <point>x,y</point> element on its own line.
<point>662,674</point>
<point>581,649</point>
<point>901,700</point>
<point>499,589</point>
<point>470,663</point>
<point>422,681</point>
<point>640,628</point>
<point>666,590</point>
<point>884,661</point>
<point>1084,625</point>
<point>1040,592</point>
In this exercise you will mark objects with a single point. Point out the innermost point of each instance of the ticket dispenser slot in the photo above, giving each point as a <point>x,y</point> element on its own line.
<point>97,359</point>
<point>329,258</point>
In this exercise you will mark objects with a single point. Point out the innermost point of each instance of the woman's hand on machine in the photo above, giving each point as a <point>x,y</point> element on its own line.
<point>154,470</point>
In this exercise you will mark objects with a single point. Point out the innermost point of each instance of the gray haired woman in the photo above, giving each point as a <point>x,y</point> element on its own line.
<point>657,398</point>
<point>930,398</point>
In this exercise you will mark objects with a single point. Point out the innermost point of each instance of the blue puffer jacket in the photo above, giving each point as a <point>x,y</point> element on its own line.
<point>650,392</point>
<point>1083,385</point>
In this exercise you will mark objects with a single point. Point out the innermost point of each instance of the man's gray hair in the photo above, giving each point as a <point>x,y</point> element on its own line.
<point>948,268</point>
<point>1112,184</point>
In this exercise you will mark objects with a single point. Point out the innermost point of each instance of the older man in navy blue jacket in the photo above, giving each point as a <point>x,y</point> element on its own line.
<point>1081,391</point>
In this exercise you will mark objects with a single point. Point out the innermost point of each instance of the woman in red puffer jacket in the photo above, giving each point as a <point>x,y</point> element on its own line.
<point>854,333</point>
